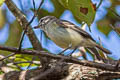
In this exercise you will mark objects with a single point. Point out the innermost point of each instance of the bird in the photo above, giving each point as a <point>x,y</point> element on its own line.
<point>64,33</point>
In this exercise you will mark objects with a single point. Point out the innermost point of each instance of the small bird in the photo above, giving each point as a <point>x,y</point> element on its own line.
<point>63,33</point>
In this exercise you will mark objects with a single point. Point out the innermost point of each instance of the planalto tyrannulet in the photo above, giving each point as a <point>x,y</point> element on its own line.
<point>64,33</point>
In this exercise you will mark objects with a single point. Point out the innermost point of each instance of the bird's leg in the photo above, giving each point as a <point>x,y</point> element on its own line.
<point>83,54</point>
<point>61,53</point>
<point>70,54</point>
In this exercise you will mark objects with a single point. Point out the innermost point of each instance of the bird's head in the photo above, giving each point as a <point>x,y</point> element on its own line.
<point>44,21</point>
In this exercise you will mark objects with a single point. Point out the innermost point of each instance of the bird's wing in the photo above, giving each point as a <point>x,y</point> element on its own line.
<point>72,26</point>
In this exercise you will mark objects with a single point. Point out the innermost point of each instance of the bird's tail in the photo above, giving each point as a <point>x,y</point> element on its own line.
<point>103,49</point>
<point>95,53</point>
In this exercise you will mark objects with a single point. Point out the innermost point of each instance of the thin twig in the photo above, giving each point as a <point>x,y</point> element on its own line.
<point>99,4</point>
<point>22,62</point>
<point>25,30</point>
<point>21,18</point>
<point>20,44</point>
<point>35,14</point>
<point>114,29</point>
<point>114,13</point>
<point>61,53</point>
<point>117,65</point>
<point>17,66</point>
<point>27,26</point>
<point>105,55</point>
<point>31,62</point>
<point>33,5</point>
<point>34,62</point>
<point>7,56</point>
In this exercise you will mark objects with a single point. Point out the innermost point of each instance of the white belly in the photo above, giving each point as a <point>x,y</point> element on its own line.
<point>64,38</point>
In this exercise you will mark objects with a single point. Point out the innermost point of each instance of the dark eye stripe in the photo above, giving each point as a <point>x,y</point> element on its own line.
<point>45,20</point>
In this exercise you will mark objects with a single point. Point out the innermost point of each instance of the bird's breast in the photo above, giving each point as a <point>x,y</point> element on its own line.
<point>64,37</point>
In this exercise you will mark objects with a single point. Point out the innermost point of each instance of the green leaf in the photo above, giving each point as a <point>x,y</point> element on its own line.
<point>84,10</point>
<point>1,2</point>
<point>59,9</point>
<point>64,3</point>
<point>15,31</point>
<point>14,34</point>
<point>104,26</point>
<point>24,58</point>
<point>118,29</point>
<point>43,13</point>
<point>2,18</point>
<point>20,58</point>
<point>1,72</point>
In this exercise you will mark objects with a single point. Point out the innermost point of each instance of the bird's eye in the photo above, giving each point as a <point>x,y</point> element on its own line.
<point>41,20</point>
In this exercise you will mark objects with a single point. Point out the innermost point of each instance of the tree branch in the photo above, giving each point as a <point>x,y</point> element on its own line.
<point>62,71</point>
<point>99,4</point>
<point>66,58</point>
<point>114,28</point>
<point>23,22</point>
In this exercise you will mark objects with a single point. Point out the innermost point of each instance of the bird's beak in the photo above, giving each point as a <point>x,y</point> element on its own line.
<point>35,27</point>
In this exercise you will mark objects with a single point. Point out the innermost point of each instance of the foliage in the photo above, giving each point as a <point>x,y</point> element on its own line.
<point>82,10</point>
<point>24,58</point>
<point>15,31</point>
<point>2,18</point>
<point>1,2</point>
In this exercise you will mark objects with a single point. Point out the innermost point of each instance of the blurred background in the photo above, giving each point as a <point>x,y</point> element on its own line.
<point>10,30</point>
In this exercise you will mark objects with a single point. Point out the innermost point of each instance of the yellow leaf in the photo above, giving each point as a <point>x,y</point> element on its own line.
<point>1,2</point>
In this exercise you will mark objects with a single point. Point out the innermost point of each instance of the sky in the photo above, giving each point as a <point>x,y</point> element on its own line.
<point>110,42</point>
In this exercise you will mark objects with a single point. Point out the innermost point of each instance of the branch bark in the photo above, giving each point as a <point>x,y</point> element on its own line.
<point>23,22</point>
<point>64,71</point>
<point>102,66</point>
